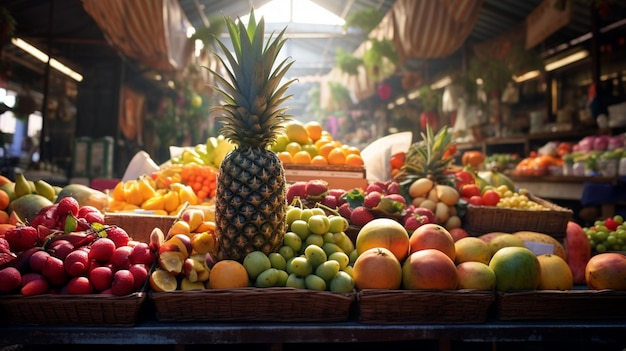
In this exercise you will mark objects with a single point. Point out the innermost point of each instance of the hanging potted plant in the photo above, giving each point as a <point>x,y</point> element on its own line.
<point>365,19</point>
<point>429,100</point>
<point>340,96</point>
<point>347,62</point>
<point>380,58</point>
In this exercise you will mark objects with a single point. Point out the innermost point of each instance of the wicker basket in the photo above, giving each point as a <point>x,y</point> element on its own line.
<point>253,304</point>
<point>484,219</point>
<point>381,306</point>
<point>89,310</point>
<point>556,304</point>
<point>139,226</point>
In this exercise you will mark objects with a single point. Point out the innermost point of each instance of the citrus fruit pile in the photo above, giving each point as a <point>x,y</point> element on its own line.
<point>309,143</point>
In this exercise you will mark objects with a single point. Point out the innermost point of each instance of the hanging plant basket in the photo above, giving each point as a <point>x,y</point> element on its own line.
<point>348,63</point>
<point>340,96</point>
<point>365,19</point>
<point>380,58</point>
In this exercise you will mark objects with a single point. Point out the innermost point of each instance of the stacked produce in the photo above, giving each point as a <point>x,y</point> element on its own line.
<point>308,143</point>
<point>314,255</point>
<point>144,193</point>
<point>185,253</point>
<point>210,154</point>
<point>67,249</point>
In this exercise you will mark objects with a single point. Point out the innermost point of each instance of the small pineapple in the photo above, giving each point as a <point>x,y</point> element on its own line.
<point>428,158</point>
<point>251,203</point>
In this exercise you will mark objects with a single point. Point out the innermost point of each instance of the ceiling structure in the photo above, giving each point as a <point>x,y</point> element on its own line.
<point>65,30</point>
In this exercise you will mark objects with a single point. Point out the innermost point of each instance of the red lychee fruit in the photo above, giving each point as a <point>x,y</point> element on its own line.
<point>21,237</point>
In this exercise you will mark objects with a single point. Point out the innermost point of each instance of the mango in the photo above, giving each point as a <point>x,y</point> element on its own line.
<point>28,206</point>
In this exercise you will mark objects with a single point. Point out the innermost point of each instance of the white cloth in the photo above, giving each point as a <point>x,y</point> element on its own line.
<point>377,154</point>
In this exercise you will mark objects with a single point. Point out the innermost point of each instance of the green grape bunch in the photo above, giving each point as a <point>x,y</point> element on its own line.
<point>607,235</point>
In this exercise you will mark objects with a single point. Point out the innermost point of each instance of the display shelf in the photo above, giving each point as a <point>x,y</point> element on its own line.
<point>575,188</point>
<point>523,144</point>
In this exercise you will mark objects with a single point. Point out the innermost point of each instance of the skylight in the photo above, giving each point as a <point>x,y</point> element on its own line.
<point>295,11</point>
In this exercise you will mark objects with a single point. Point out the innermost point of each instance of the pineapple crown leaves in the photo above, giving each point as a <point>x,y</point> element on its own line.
<point>252,115</point>
<point>427,158</point>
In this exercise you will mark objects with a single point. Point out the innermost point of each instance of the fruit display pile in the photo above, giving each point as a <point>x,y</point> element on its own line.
<point>67,249</point>
<point>146,193</point>
<point>308,143</point>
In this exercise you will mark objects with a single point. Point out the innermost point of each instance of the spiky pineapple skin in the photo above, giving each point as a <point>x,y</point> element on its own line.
<point>251,203</point>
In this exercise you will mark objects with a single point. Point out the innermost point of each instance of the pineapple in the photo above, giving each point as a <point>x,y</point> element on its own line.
<point>251,203</point>
<point>428,158</point>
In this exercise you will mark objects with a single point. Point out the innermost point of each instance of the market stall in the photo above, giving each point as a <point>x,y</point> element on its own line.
<point>276,232</point>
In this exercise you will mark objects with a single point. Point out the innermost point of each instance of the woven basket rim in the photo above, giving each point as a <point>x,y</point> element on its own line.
<point>251,290</point>
<point>551,206</point>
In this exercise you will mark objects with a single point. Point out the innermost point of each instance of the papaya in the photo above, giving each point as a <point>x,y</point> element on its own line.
<point>496,178</point>
<point>85,196</point>
<point>559,249</point>
<point>578,251</point>
<point>26,207</point>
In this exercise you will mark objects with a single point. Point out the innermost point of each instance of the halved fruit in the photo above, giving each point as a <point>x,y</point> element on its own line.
<point>163,281</point>
<point>172,261</point>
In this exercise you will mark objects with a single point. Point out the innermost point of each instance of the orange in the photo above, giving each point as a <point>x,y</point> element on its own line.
<point>4,217</point>
<point>228,274</point>
<point>325,149</point>
<point>285,156</point>
<point>336,157</point>
<point>352,150</point>
<point>321,141</point>
<point>319,160</point>
<point>354,160</point>
<point>314,129</point>
<point>302,157</point>
<point>4,200</point>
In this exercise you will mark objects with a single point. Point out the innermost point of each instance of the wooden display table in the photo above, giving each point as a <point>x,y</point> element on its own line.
<point>151,332</point>
<point>590,191</point>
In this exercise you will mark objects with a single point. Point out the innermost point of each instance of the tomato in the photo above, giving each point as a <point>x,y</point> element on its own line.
<point>490,197</point>
<point>462,178</point>
<point>611,223</point>
<point>469,190</point>
<point>397,160</point>
<point>475,200</point>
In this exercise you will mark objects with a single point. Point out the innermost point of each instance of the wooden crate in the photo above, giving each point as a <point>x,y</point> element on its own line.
<point>338,176</point>
<point>139,225</point>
